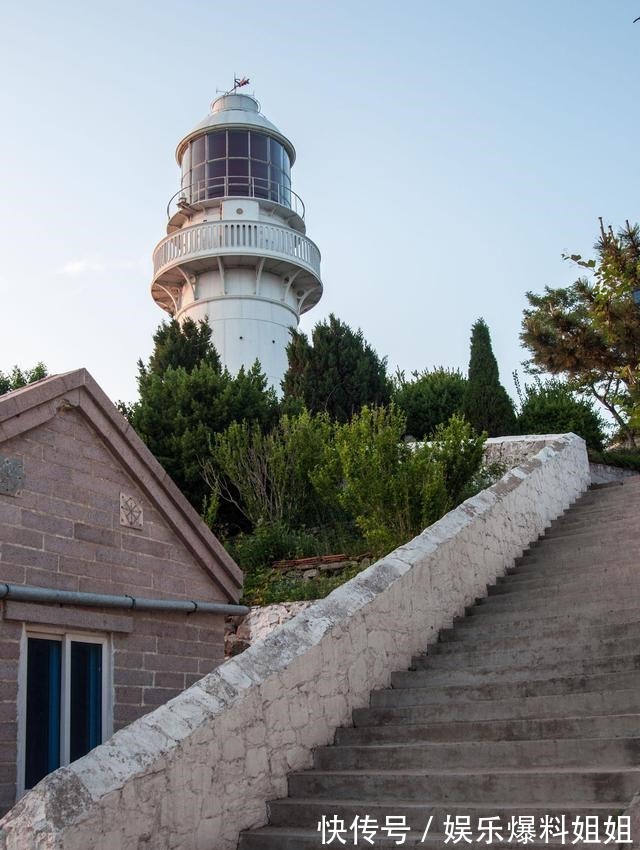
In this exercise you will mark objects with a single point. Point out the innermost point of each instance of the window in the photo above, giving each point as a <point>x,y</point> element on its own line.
<point>238,162</point>
<point>66,702</point>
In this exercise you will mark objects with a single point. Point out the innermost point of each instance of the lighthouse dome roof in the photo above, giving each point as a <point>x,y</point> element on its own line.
<point>235,111</point>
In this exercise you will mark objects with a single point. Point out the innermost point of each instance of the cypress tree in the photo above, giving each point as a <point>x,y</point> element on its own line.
<point>336,373</point>
<point>487,405</point>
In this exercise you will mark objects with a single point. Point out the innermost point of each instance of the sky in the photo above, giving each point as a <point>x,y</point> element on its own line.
<point>448,154</point>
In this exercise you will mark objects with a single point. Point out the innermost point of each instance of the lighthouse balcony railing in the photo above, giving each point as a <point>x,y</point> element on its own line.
<point>228,237</point>
<point>216,188</point>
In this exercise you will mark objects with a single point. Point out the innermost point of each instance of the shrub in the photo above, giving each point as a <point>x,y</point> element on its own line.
<point>430,399</point>
<point>391,489</point>
<point>550,407</point>
<point>267,475</point>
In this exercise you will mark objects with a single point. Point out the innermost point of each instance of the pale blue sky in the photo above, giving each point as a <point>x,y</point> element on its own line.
<point>448,153</point>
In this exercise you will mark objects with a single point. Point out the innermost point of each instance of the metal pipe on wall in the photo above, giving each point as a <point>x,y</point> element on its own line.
<point>23,593</point>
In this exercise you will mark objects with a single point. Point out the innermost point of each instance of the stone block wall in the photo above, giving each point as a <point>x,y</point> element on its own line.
<point>194,773</point>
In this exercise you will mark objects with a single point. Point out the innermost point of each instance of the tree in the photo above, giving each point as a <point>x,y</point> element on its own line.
<point>180,346</point>
<point>185,399</point>
<point>589,332</point>
<point>337,373</point>
<point>551,407</point>
<point>429,399</point>
<point>18,378</point>
<point>487,405</point>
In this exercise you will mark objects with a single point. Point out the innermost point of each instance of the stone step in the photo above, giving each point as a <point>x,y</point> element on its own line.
<point>481,655</point>
<point>297,838</point>
<point>577,752</point>
<point>415,688</point>
<point>622,522</point>
<point>489,785</point>
<point>548,705</point>
<point>550,563</point>
<point>607,599</point>
<point>301,813</point>
<point>564,577</point>
<point>588,726</point>
<point>612,541</point>
<point>509,672</point>
<point>474,631</point>
<point>457,638</point>
<point>580,604</point>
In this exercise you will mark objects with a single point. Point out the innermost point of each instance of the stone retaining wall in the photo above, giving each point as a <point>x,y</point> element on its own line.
<point>603,473</point>
<point>241,631</point>
<point>194,773</point>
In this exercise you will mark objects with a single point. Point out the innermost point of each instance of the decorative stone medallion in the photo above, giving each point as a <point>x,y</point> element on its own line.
<point>11,475</point>
<point>130,511</point>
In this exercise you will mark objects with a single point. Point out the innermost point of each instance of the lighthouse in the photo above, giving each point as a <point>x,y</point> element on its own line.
<point>236,252</point>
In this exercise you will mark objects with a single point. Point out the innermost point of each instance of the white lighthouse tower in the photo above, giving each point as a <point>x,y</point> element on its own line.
<point>236,253</point>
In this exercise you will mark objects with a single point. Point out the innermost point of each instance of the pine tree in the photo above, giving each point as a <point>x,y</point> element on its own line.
<point>180,347</point>
<point>337,373</point>
<point>186,398</point>
<point>487,405</point>
<point>18,378</point>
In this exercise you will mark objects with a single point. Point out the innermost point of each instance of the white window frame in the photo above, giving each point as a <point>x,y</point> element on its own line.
<point>66,638</point>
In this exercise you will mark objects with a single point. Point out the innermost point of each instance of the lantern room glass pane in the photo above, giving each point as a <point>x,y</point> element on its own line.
<point>259,146</point>
<point>260,179</point>
<point>198,183</point>
<point>238,167</point>
<point>216,172</point>
<point>238,180</point>
<point>217,145</point>
<point>238,143</point>
<point>275,153</point>
<point>198,151</point>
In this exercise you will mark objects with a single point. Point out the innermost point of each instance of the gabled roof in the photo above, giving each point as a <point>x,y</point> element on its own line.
<point>38,403</point>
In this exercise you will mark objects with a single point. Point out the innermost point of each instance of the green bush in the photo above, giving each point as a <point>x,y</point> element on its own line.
<point>275,541</point>
<point>623,458</point>
<point>266,475</point>
<point>391,489</point>
<point>550,407</point>
<point>430,399</point>
<point>265,586</point>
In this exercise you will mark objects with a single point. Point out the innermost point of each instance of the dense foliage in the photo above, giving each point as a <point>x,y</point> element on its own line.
<point>185,399</point>
<point>487,405</point>
<point>266,475</point>
<point>336,373</point>
<point>17,378</point>
<point>359,475</point>
<point>429,399</point>
<point>551,407</point>
<point>589,332</point>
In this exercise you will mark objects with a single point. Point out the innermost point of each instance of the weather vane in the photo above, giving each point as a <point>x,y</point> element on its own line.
<point>238,82</point>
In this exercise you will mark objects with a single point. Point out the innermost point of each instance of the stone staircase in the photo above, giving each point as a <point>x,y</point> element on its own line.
<point>528,707</point>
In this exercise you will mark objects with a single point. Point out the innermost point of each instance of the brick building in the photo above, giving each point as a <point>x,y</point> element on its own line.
<point>113,590</point>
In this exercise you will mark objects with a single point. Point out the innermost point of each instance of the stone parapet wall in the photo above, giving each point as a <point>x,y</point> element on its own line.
<point>195,772</point>
<point>511,451</point>
<point>603,473</point>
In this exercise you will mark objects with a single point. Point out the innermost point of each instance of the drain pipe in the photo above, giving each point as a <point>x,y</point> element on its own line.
<point>21,593</point>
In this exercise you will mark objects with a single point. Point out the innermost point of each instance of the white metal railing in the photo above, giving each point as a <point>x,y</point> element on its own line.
<point>224,237</point>
<point>215,188</point>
